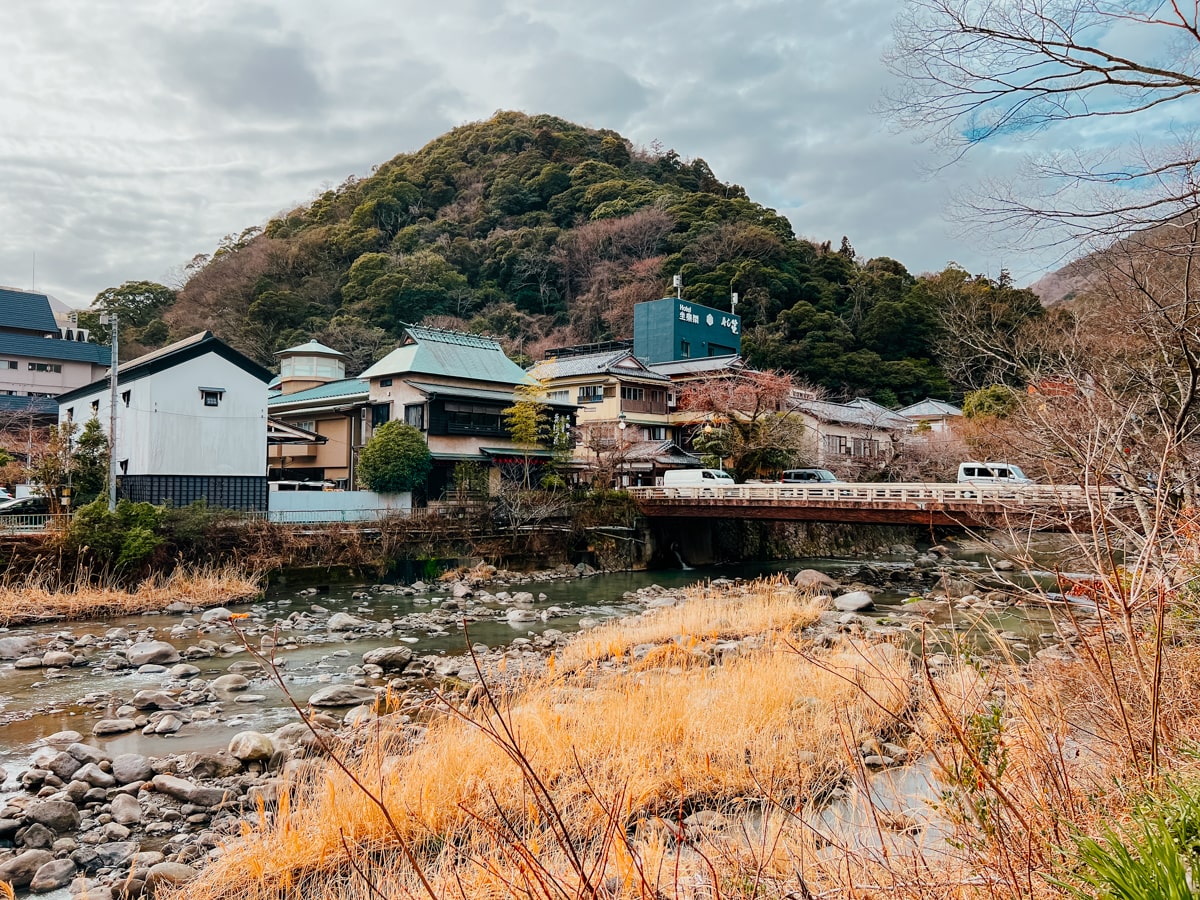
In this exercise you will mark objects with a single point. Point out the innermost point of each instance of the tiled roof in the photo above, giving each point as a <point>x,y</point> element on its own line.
<point>930,409</point>
<point>857,412</point>
<point>449,354</point>
<point>665,453</point>
<point>39,406</point>
<point>596,364</point>
<point>26,310</point>
<point>313,348</point>
<point>54,348</point>
<point>698,366</point>
<point>344,387</point>
<point>450,390</point>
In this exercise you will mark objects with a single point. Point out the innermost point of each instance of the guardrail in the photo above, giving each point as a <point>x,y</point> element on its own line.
<point>24,523</point>
<point>898,492</point>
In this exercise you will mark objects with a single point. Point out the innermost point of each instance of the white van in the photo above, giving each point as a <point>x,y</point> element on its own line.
<point>696,478</point>
<point>991,473</point>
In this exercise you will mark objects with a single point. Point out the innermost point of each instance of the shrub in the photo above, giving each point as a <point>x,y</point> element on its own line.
<point>395,459</point>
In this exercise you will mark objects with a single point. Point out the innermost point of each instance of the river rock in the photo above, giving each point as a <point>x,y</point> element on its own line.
<point>182,671</point>
<point>116,853</point>
<point>37,837</point>
<point>249,746</point>
<point>168,724</point>
<point>59,659</point>
<point>168,873</point>
<point>126,810</point>
<point>521,615</point>
<point>86,753</point>
<point>113,726</point>
<point>341,695</point>
<point>19,870</point>
<point>221,764</point>
<point>155,652</point>
<point>346,622</point>
<point>855,601</point>
<point>154,700</point>
<point>52,875</point>
<point>17,647</point>
<point>95,776</point>
<point>811,579</point>
<point>62,738</point>
<point>216,614</point>
<point>28,662</point>
<point>63,764</point>
<point>60,815</point>
<point>130,767</point>
<point>390,659</point>
<point>230,682</point>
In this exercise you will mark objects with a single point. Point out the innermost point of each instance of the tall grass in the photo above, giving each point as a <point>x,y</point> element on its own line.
<point>42,597</point>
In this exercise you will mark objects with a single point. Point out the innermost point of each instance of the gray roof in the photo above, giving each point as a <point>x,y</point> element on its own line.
<point>451,390</point>
<point>606,363</point>
<point>449,354</point>
<point>27,311</point>
<point>312,348</point>
<point>342,389</point>
<point>666,453</point>
<point>859,411</point>
<point>930,409</point>
<point>698,366</point>
<point>54,348</point>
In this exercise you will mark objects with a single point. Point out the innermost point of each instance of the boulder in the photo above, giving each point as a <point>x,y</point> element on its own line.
<point>346,622</point>
<point>154,700</point>
<point>17,647</point>
<point>37,837</point>
<point>230,682</point>
<point>126,810</point>
<point>154,652</point>
<point>59,659</point>
<point>130,767</point>
<point>249,746</point>
<point>60,815</point>
<point>341,695</point>
<point>117,853</point>
<point>390,659</point>
<point>95,776</point>
<point>216,614</point>
<point>811,579</point>
<point>52,875</point>
<point>19,870</point>
<point>182,671</point>
<point>86,753</point>
<point>855,601</point>
<point>168,873</point>
<point>113,726</point>
<point>63,764</point>
<point>173,786</point>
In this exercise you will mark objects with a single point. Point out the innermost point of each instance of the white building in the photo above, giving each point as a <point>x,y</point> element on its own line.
<point>191,424</point>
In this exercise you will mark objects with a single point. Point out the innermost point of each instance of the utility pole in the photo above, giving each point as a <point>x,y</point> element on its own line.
<point>111,319</point>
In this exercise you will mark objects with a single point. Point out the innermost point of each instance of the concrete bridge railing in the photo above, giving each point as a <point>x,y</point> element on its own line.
<point>899,493</point>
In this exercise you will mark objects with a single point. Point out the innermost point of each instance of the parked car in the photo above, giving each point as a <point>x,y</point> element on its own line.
<point>991,473</point>
<point>808,476</point>
<point>26,506</point>
<point>697,478</point>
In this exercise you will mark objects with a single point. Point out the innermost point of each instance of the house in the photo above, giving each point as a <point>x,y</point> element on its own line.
<point>314,397</point>
<point>39,358</point>
<point>935,419</point>
<point>624,419</point>
<point>672,329</point>
<point>191,424</point>
<point>454,387</point>
<point>860,434</point>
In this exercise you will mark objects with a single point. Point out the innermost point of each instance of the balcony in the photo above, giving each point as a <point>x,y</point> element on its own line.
<point>652,407</point>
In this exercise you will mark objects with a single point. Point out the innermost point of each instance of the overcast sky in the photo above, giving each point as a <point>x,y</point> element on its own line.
<point>135,133</point>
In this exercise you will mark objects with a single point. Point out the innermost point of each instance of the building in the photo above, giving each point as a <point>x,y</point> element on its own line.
<point>313,396</point>
<point>624,417</point>
<point>454,387</point>
<point>671,329</point>
<point>935,419</point>
<point>191,424</point>
<point>41,359</point>
<point>858,435</point>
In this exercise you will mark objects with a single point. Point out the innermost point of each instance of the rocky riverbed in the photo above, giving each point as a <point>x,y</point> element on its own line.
<point>87,810</point>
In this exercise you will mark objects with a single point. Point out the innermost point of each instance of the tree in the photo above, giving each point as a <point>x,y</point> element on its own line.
<point>395,459</point>
<point>89,464</point>
<point>749,421</point>
<point>528,423</point>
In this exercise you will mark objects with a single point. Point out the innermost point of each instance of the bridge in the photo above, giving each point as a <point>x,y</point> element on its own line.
<point>1043,507</point>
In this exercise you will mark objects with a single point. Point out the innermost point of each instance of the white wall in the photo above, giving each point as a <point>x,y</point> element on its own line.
<point>334,506</point>
<point>167,430</point>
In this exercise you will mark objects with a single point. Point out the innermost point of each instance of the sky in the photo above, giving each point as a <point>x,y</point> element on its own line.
<point>136,133</point>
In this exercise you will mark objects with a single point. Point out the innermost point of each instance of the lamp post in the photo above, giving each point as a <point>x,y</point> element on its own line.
<point>621,426</point>
<point>111,319</point>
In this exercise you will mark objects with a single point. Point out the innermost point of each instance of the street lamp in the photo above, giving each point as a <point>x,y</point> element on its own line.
<point>621,426</point>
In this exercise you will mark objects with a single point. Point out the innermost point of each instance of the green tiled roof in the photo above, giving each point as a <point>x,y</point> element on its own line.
<point>27,311</point>
<point>448,354</point>
<point>345,387</point>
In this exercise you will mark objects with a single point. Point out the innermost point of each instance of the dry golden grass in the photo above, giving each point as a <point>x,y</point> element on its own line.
<point>767,607</point>
<point>35,600</point>
<point>622,755</point>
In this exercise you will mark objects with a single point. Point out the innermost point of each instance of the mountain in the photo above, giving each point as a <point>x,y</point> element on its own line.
<point>546,233</point>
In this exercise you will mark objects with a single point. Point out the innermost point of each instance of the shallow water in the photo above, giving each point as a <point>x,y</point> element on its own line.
<point>34,704</point>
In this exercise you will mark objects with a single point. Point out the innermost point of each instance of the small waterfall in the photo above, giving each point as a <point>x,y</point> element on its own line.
<point>682,564</point>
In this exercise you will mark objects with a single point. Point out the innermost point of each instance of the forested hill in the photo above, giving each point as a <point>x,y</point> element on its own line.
<point>546,233</point>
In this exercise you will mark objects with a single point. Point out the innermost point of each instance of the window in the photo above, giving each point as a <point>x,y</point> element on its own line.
<point>70,414</point>
<point>414,415</point>
<point>655,432</point>
<point>38,394</point>
<point>124,464</point>
<point>385,382</point>
<point>380,413</point>
<point>126,394</point>
<point>473,417</point>
<point>8,364</point>
<point>95,407</point>
<point>211,398</point>
<point>685,350</point>
<point>591,393</point>
<point>657,395</point>
<point>307,425</point>
<point>633,393</point>
<point>555,396</point>
<point>44,367</point>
